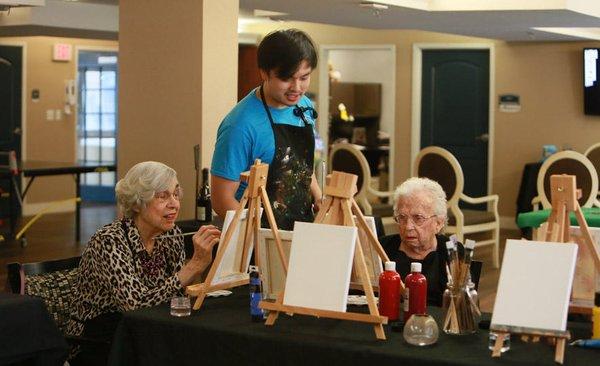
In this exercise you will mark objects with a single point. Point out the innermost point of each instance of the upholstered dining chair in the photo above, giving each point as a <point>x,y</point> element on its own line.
<point>345,157</point>
<point>439,164</point>
<point>593,153</point>
<point>572,163</point>
<point>53,281</point>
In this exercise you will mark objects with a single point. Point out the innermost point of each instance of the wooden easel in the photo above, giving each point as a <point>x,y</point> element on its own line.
<point>560,339</point>
<point>255,195</point>
<point>337,210</point>
<point>564,194</point>
<point>564,197</point>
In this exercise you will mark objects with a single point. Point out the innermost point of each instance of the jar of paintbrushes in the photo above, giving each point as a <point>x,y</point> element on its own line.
<point>460,304</point>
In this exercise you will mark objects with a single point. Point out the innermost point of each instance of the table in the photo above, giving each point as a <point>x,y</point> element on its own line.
<point>33,169</point>
<point>534,219</point>
<point>28,333</point>
<point>221,333</point>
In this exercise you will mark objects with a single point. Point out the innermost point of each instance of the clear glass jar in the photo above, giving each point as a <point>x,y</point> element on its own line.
<point>460,311</point>
<point>421,330</point>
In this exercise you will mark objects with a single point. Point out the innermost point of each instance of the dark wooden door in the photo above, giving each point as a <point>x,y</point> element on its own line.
<point>455,110</point>
<point>10,118</point>
<point>248,75</point>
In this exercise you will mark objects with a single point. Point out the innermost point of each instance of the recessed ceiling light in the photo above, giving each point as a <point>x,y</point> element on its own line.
<point>268,13</point>
<point>372,5</point>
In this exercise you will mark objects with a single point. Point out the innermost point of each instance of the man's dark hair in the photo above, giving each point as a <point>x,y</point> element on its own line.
<point>282,51</point>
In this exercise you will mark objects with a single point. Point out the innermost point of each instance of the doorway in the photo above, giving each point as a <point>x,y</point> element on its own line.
<point>248,73</point>
<point>453,107</point>
<point>368,67</point>
<point>11,112</point>
<point>97,121</point>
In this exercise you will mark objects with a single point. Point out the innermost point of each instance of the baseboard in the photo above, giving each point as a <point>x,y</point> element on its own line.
<point>508,222</point>
<point>30,209</point>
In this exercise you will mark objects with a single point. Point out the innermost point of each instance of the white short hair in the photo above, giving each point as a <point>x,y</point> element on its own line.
<point>139,185</point>
<point>415,184</point>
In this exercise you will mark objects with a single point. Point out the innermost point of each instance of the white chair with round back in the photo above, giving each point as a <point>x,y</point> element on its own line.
<point>440,165</point>
<point>572,163</point>
<point>593,153</point>
<point>345,157</point>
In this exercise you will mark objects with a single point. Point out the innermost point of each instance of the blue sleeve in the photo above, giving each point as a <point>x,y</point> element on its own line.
<point>233,151</point>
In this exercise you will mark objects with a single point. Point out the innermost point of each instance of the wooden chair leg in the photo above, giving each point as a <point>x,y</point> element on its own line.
<point>496,254</point>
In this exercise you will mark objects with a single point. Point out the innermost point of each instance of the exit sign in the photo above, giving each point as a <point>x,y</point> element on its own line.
<point>62,52</point>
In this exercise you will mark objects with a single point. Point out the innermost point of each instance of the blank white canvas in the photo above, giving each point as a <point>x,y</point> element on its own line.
<point>535,285</point>
<point>320,266</point>
<point>229,269</point>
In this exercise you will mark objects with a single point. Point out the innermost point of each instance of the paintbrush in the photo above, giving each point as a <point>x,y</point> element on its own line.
<point>175,235</point>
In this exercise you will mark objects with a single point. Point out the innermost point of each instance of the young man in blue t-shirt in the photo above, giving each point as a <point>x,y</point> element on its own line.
<point>273,123</point>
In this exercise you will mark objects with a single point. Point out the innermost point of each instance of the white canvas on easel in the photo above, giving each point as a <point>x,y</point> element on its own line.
<point>273,275</point>
<point>320,266</point>
<point>229,269</point>
<point>272,271</point>
<point>535,285</point>
<point>586,275</point>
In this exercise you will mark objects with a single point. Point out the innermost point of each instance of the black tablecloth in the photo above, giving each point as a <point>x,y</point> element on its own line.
<point>28,335</point>
<point>221,333</point>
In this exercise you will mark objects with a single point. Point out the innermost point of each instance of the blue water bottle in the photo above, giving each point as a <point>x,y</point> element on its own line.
<point>256,313</point>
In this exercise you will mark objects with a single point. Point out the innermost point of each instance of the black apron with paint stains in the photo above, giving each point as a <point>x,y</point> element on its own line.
<point>290,172</point>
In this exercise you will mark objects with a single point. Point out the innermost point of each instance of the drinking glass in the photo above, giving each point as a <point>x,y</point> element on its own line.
<point>180,306</point>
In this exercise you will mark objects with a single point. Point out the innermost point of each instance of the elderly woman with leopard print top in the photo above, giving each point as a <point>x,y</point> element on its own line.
<point>136,261</point>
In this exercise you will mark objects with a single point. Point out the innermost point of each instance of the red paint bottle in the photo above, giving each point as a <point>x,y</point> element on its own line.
<point>389,292</point>
<point>415,293</point>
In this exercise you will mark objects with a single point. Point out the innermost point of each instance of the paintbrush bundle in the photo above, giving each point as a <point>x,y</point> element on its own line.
<point>460,298</point>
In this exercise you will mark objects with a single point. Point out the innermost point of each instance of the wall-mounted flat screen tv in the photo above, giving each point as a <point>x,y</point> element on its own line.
<point>591,73</point>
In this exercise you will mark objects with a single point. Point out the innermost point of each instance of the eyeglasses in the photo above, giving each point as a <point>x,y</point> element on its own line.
<point>165,196</point>
<point>418,220</point>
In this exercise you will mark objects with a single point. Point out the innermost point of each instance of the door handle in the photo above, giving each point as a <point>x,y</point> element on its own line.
<point>484,137</point>
<point>17,131</point>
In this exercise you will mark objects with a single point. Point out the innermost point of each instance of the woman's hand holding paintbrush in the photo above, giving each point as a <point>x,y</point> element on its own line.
<point>204,240</point>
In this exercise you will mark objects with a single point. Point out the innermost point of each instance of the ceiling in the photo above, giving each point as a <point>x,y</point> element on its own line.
<point>509,20</point>
<point>519,24</point>
<point>105,2</point>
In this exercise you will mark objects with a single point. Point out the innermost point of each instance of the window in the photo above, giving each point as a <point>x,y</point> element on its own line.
<point>97,121</point>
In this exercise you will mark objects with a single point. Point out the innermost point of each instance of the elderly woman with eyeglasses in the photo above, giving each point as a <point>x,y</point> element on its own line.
<point>420,211</point>
<point>138,260</point>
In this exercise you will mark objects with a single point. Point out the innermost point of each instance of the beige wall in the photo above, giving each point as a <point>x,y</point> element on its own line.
<point>178,77</point>
<point>549,79</point>
<point>49,140</point>
<point>219,69</point>
<point>547,76</point>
